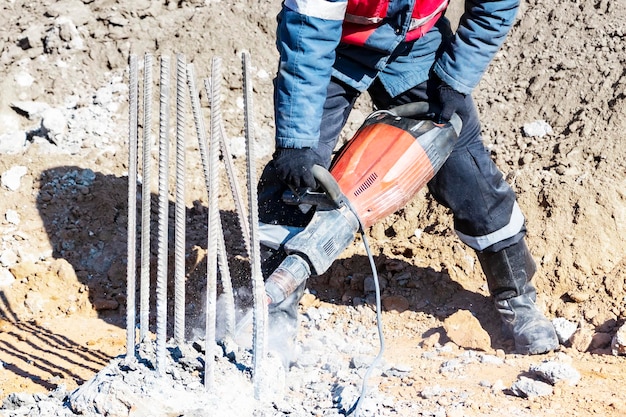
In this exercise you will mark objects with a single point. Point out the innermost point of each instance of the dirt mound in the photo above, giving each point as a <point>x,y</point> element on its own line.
<point>553,110</point>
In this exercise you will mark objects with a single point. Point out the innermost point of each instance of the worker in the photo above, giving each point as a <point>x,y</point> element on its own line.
<point>398,51</point>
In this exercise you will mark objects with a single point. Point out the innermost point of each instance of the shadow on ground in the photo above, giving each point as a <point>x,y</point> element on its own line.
<point>85,216</point>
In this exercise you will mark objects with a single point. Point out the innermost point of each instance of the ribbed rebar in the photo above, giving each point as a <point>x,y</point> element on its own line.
<point>229,307</point>
<point>161,285</point>
<point>227,296</point>
<point>260,304</point>
<point>234,184</point>
<point>179,243</point>
<point>222,257</point>
<point>144,303</point>
<point>132,209</point>
<point>212,239</point>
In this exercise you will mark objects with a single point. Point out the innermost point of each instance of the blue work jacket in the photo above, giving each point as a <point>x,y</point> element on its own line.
<point>308,41</point>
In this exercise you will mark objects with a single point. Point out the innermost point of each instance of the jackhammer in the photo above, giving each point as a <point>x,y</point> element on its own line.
<point>389,159</point>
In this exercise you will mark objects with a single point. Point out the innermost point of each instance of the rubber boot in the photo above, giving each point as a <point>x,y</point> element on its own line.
<point>509,272</point>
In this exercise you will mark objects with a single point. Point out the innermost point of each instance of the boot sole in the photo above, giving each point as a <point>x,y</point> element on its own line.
<point>535,349</point>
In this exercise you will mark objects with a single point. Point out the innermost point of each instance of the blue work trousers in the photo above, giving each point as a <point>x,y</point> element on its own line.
<point>484,208</point>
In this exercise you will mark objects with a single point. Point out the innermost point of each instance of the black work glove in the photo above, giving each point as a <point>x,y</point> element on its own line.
<point>451,101</point>
<point>293,166</point>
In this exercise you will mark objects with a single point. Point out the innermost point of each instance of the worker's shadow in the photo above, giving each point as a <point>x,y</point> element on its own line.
<point>404,286</point>
<point>85,214</point>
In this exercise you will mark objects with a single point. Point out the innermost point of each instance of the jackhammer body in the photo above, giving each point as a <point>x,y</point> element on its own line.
<point>313,250</point>
<point>389,159</point>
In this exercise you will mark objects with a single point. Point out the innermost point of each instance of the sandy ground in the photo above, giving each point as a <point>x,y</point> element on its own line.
<point>63,226</point>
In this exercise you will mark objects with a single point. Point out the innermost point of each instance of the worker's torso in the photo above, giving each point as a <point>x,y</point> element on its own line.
<point>378,23</point>
<point>395,40</point>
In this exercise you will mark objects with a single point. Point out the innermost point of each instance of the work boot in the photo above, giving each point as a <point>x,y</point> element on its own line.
<point>509,272</point>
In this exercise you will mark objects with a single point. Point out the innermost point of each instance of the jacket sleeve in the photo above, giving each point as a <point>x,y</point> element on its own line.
<point>308,33</point>
<point>481,32</point>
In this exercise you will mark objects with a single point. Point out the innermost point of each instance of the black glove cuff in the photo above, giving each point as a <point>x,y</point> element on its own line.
<point>451,101</point>
<point>293,166</point>
<point>290,152</point>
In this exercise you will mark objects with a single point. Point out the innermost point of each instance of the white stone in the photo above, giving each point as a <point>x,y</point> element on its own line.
<point>538,128</point>
<point>491,359</point>
<point>12,217</point>
<point>71,102</point>
<point>12,143</point>
<point>103,96</point>
<point>554,372</point>
<point>618,344</point>
<point>6,278</point>
<point>498,386</point>
<point>32,109</point>
<point>9,122</point>
<point>13,177</point>
<point>67,29</point>
<point>34,302</point>
<point>237,146</point>
<point>8,258</point>
<point>24,79</point>
<point>529,388</point>
<point>564,329</point>
<point>53,123</point>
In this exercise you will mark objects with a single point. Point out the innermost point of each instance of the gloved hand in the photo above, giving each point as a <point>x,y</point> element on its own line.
<point>451,101</point>
<point>293,166</point>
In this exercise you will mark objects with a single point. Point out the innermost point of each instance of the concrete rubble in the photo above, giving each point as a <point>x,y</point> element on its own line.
<point>326,380</point>
<point>618,343</point>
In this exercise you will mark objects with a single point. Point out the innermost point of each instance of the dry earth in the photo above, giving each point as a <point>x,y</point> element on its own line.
<point>63,226</point>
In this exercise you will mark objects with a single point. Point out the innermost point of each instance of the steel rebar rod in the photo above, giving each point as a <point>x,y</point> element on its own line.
<point>228,296</point>
<point>179,243</point>
<point>144,295</point>
<point>222,258</point>
<point>234,184</point>
<point>161,285</point>
<point>229,308</point>
<point>213,215</point>
<point>260,304</point>
<point>132,210</point>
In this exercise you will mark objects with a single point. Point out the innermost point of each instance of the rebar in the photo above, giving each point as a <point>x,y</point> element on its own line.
<point>217,258</point>
<point>144,295</point>
<point>260,303</point>
<point>179,242</point>
<point>233,183</point>
<point>234,187</point>
<point>213,215</point>
<point>227,296</point>
<point>132,209</point>
<point>227,293</point>
<point>222,256</point>
<point>161,284</point>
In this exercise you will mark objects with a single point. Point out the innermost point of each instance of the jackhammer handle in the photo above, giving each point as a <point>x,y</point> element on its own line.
<point>418,108</point>
<point>425,109</point>
<point>326,180</point>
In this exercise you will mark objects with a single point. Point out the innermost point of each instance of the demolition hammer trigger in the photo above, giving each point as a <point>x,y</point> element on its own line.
<point>329,197</point>
<point>331,188</point>
<point>329,184</point>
